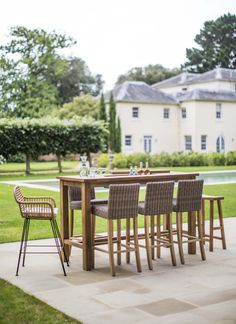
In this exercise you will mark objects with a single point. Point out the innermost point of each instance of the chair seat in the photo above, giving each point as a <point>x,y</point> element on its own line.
<point>77,204</point>
<point>141,208</point>
<point>100,210</point>
<point>174,204</point>
<point>39,212</point>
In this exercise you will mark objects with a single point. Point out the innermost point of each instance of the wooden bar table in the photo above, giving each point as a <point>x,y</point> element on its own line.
<point>101,181</point>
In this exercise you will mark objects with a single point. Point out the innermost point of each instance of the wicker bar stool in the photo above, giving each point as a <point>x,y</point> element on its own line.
<point>158,202</point>
<point>122,204</point>
<point>189,197</point>
<point>210,237</point>
<point>75,199</point>
<point>40,208</point>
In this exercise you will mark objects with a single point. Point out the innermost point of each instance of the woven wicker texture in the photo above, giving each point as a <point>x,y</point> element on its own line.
<point>189,196</point>
<point>158,199</point>
<point>75,198</point>
<point>122,202</point>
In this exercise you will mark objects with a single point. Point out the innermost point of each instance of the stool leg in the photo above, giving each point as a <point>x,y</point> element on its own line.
<point>136,244</point>
<point>21,245</point>
<point>172,249</point>
<point>93,217</point>
<point>71,228</point>
<point>152,237</point>
<point>221,224</point>
<point>199,225</point>
<point>128,240</point>
<point>58,234</point>
<point>211,225</point>
<point>203,220</point>
<point>147,242</point>
<point>179,236</point>
<point>118,241</point>
<point>159,235</point>
<point>110,247</point>
<point>26,241</point>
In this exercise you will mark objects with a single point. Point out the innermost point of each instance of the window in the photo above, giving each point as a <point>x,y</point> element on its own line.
<point>128,140</point>
<point>183,113</point>
<point>218,111</point>
<point>184,89</point>
<point>166,113</point>
<point>188,143</point>
<point>203,142</point>
<point>135,112</point>
<point>147,141</point>
<point>235,88</point>
<point>220,144</point>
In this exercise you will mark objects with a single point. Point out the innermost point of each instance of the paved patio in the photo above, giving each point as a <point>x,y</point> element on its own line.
<point>198,292</point>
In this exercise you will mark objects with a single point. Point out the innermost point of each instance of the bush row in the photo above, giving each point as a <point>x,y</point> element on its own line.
<point>121,160</point>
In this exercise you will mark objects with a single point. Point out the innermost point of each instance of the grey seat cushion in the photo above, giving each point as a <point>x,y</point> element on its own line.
<point>141,208</point>
<point>77,204</point>
<point>100,210</point>
<point>174,204</point>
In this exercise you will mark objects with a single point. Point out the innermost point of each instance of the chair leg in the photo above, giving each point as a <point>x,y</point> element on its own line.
<point>211,224</point>
<point>221,224</point>
<point>147,242</point>
<point>128,240</point>
<point>172,248</point>
<point>110,247</point>
<point>200,236</point>
<point>158,235</point>
<point>152,237</point>
<point>203,220</point>
<point>26,241</point>
<point>54,230</point>
<point>136,244</point>
<point>21,244</point>
<point>93,237</point>
<point>118,241</point>
<point>179,236</point>
<point>61,243</point>
<point>71,228</point>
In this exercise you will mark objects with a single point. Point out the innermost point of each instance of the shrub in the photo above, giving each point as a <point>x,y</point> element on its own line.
<point>136,158</point>
<point>103,161</point>
<point>120,160</point>
<point>217,158</point>
<point>231,158</point>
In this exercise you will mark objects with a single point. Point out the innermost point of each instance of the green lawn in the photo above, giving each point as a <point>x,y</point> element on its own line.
<point>37,166</point>
<point>21,308</point>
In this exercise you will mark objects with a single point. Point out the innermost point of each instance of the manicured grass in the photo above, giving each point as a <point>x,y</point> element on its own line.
<point>21,308</point>
<point>11,222</point>
<point>37,166</point>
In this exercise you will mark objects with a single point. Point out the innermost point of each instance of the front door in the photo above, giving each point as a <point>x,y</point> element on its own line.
<point>147,141</point>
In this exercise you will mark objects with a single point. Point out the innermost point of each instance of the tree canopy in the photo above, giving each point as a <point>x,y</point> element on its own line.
<point>149,74</point>
<point>216,46</point>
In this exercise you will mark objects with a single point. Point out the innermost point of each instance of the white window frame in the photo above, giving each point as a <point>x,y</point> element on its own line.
<point>220,144</point>
<point>183,112</point>
<point>235,88</point>
<point>147,143</point>
<point>203,142</point>
<point>166,113</point>
<point>128,140</point>
<point>188,142</point>
<point>135,112</point>
<point>218,111</point>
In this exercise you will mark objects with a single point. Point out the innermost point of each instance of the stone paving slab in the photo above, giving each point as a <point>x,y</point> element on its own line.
<point>197,292</point>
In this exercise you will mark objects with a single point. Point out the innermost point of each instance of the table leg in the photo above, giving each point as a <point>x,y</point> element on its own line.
<point>88,251</point>
<point>192,231</point>
<point>64,216</point>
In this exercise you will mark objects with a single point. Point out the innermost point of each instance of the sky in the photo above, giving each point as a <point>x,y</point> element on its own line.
<point>114,36</point>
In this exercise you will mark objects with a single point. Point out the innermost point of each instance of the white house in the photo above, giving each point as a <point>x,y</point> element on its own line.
<point>188,112</point>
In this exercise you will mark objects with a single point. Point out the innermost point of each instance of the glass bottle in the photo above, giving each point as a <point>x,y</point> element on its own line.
<point>84,169</point>
<point>131,171</point>
<point>147,171</point>
<point>140,168</point>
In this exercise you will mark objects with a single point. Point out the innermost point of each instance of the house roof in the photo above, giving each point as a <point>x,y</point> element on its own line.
<point>139,91</point>
<point>180,79</point>
<point>206,95</point>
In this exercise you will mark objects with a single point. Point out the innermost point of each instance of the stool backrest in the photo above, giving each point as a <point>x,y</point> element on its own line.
<point>159,197</point>
<point>75,193</point>
<point>123,201</point>
<point>189,195</point>
<point>18,194</point>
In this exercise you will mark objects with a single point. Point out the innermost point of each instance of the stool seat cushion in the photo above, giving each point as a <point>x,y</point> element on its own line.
<point>208,197</point>
<point>77,204</point>
<point>100,210</point>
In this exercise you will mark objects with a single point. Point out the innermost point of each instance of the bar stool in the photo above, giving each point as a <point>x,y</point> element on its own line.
<point>210,237</point>
<point>158,201</point>
<point>189,197</point>
<point>122,204</point>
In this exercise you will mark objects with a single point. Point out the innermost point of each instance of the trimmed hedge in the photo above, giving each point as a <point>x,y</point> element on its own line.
<point>163,159</point>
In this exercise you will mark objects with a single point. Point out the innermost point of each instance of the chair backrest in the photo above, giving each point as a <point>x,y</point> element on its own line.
<point>75,193</point>
<point>159,198</point>
<point>123,201</point>
<point>189,195</point>
<point>18,194</point>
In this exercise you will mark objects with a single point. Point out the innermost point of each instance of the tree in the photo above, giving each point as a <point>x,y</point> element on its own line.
<point>82,106</point>
<point>102,109</point>
<point>118,137</point>
<point>149,74</point>
<point>217,46</point>
<point>112,124</point>
<point>77,80</point>
<point>29,66</point>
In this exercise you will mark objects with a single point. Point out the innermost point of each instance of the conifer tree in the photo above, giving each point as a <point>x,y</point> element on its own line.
<point>118,136</point>
<point>112,124</point>
<point>102,109</point>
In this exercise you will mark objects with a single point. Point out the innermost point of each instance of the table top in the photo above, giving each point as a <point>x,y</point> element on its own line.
<point>111,178</point>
